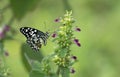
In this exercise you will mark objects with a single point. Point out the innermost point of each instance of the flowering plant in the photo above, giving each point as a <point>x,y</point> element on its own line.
<point>64,39</point>
<point>60,62</point>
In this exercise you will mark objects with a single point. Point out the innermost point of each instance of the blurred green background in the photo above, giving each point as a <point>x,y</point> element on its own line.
<point>99,20</point>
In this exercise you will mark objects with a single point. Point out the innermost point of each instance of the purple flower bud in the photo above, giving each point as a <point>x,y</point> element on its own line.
<point>72,70</point>
<point>78,44</point>
<point>6,53</point>
<point>74,57</point>
<point>54,35</point>
<point>57,20</point>
<point>6,28</point>
<point>76,40</point>
<point>77,29</point>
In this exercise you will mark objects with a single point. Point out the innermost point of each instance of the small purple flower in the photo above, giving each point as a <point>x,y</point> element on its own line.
<point>74,57</point>
<point>54,35</point>
<point>6,53</point>
<point>77,42</point>
<point>6,28</point>
<point>72,70</point>
<point>57,20</point>
<point>78,29</point>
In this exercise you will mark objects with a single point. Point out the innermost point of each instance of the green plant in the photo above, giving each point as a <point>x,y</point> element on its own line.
<point>60,62</point>
<point>4,70</point>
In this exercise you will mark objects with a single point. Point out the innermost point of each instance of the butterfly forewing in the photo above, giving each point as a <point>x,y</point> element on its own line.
<point>35,38</point>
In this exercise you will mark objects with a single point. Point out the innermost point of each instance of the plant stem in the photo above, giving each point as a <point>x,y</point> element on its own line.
<point>58,71</point>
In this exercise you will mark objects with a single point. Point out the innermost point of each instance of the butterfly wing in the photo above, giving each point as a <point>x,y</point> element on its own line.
<point>44,37</point>
<point>35,38</point>
<point>35,46</point>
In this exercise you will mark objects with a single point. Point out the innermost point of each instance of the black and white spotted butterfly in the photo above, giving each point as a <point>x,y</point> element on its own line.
<point>35,38</point>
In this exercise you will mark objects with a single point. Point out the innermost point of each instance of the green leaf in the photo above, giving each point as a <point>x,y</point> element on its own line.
<point>36,74</point>
<point>39,74</point>
<point>65,72</point>
<point>21,7</point>
<point>36,69</point>
<point>26,49</point>
<point>29,55</point>
<point>54,75</point>
<point>36,66</point>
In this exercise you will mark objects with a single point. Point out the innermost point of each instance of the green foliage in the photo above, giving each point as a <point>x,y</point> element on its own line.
<point>4,70</point>
<point>22,7</point>
<point>36,67</point>
<point>36,74</point>
<point>65,72</point>
<point>64,40</point>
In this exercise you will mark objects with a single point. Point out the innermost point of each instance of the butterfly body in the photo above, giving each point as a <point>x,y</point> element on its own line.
<point>35,38</point>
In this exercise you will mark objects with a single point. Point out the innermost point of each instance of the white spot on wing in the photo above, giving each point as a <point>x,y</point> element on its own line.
<point>35,30</point>
<point>26,30</point>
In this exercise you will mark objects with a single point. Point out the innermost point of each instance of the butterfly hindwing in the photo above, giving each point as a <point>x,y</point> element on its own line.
<point>35,38</point>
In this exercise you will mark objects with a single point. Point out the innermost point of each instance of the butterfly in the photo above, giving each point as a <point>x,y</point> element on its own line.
<point>35,38</point>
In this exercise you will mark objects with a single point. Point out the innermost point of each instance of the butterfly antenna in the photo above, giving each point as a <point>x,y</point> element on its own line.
<point>48,30</point>
<point>45,25</point>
